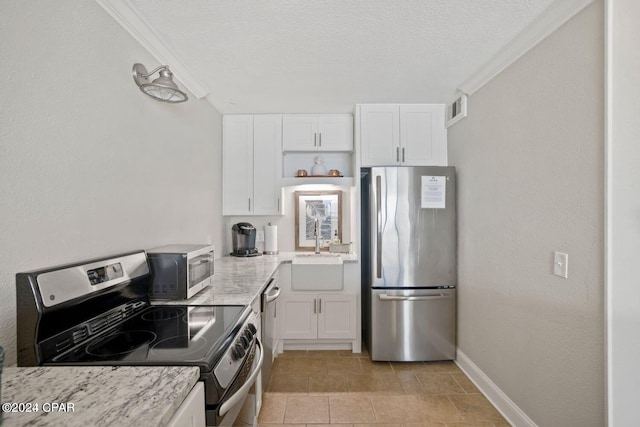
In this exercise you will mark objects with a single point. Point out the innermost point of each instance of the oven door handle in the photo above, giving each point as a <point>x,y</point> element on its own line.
<point>242,391</point>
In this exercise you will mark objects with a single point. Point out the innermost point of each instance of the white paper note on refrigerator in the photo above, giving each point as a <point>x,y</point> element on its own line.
<point>434,190</point>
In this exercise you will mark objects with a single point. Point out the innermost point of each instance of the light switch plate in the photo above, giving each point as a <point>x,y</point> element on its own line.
<point>561,264</point>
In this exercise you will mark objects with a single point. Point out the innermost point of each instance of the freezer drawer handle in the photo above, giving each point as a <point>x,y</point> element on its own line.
<point>385,297</point>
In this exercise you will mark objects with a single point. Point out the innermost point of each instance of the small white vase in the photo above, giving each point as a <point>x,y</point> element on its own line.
<point>318,168</point>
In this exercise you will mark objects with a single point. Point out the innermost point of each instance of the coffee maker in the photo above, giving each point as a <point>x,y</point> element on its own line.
<point>243,236</point>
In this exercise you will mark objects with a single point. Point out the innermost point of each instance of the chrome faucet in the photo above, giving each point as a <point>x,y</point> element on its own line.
<point>316,234</point>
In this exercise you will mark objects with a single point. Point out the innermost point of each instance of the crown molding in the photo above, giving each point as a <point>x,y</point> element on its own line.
<point>545,24</point>
<point>129,18</point>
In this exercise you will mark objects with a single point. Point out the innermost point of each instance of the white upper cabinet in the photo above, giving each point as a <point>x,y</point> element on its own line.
<point>251,165</point>
<point>380,134</point>
<point>403,135</point>
<point>237,164</point>
<point>317,133</point>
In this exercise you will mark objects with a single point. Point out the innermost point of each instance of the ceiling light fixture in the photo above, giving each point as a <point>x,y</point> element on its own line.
<point>163,88</point>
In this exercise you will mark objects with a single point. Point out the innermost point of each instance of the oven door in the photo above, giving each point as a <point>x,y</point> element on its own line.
<point>232,405</point>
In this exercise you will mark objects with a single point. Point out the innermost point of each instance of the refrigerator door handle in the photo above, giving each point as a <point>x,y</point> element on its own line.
<point>379,226</point>
<point>385,297</point>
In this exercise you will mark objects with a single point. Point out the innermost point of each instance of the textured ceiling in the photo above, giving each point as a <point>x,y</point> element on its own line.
<point>325,56</point>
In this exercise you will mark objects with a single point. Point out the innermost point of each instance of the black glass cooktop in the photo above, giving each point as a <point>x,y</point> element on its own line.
<point>163,335</point>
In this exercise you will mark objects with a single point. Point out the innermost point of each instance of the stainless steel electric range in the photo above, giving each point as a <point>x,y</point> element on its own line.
<point>98,313</point>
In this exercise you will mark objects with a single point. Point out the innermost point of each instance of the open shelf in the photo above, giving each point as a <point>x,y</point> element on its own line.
<point>345,181</point>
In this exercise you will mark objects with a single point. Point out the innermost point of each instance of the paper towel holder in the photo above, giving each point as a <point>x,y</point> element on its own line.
<point>271,237</point>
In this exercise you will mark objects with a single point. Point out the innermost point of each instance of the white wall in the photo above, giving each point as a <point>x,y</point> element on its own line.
<point>623,218</point>
<point>90,166</point>
<point>530,169</point>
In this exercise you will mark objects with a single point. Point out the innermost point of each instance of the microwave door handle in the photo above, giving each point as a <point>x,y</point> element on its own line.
<point>242,391</point>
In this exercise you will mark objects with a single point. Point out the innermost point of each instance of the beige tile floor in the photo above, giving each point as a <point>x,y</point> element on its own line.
<point>340,388</point>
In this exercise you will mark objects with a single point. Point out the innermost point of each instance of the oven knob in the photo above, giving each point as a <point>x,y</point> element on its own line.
<point>237,351</point>
<point>252,328</point>
<point>248,335</point>
<point>244,342</point>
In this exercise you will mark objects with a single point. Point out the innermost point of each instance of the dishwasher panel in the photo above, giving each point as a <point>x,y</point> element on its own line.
<point>413,325</point>
<point>269,327</point>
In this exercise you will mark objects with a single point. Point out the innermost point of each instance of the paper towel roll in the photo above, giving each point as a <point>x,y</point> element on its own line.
<point>270,239</point>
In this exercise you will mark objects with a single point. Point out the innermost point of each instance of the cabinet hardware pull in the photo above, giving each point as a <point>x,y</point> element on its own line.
<point>320,306</point>
<point>278,204</point>
<point>402,155</point>
<point>315,139</point>
<point>314,306</point>
<point>320,139</point>
<point>249,203</point>
<point>397,154</point>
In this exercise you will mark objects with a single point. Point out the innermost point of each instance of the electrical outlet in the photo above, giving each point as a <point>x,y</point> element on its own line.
<point>259,236</point>
<point>561,264</point>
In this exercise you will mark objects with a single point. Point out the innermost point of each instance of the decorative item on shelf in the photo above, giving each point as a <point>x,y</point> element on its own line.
<point>301,173</point>
<point>334,172</point>
<point>318,169</point>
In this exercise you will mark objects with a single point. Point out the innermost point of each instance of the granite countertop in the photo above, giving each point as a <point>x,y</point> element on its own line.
<point>101,396</point>
<point>238,281</point>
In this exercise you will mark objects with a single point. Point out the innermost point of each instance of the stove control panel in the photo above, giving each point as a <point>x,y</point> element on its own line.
<point>105,273</point>
<point>225,371</point>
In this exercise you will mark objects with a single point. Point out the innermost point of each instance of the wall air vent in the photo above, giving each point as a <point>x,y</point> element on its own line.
<point>457,109</point>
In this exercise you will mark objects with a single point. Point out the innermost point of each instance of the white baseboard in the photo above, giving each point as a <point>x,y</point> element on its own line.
<point>314,345</point>
<point>492,392</point>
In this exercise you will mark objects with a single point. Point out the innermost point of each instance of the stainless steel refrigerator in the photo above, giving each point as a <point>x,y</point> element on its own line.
<point>409,262</point>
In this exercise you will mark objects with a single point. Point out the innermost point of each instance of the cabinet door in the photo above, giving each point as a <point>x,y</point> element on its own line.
<point>335,133</point>
<point>191,412</point>
<point>337,316</point>
<point>237,165</point>
<point>299,133</point>
<point>422,135</point>
<point>380,135</point>
<point>267,164</point>
<point>298,316</point>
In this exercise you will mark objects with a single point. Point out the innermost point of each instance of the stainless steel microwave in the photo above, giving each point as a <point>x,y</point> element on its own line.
<point>180,271</point>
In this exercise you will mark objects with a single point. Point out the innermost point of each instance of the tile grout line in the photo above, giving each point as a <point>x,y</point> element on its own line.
<point>457,410</point>
<point>375,414</point>
<point>459,385</point>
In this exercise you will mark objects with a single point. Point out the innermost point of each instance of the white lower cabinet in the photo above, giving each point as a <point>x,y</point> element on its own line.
<point>318,316</point>
<point>191,413</point>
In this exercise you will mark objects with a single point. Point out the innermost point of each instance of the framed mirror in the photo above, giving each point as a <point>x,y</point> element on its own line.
<point>323,206</point>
